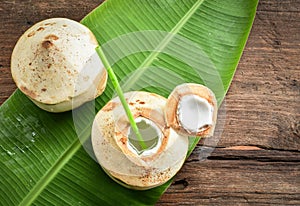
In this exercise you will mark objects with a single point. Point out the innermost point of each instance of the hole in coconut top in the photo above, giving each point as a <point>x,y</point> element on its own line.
<point>151,135</point>
<point>194,113</point>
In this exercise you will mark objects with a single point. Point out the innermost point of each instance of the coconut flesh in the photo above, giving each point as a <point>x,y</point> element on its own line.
<point>194,113</point>
<point>152,136</point>
<point>118,152</point>
<point>55,64</point>
<point>191,109</point>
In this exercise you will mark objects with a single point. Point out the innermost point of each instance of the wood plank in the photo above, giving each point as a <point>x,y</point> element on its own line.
<point>262,105</point>
<point>237,177</point>
<point>256,160</point>
<point>262,111</point>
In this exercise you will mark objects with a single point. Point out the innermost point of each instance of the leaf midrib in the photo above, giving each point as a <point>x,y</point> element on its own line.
<point>75,146</point>
<point>149,60</point>
<point>51,173</point>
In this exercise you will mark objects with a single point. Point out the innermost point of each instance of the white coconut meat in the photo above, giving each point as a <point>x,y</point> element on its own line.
<point>55,64</point>
<point>122,158</point>
<point>152,136</point>
<point>191,109</point>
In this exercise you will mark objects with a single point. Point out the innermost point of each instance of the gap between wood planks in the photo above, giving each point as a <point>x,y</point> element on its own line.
<point>245,153</point>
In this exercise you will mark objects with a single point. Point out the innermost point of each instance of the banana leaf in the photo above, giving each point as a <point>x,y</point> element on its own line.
<point>152,45</point>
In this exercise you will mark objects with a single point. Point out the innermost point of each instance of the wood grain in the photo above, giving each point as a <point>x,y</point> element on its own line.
<point>262,116</point>
<point>256,158</point>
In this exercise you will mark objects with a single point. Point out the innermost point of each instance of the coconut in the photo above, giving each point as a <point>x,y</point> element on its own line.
<point>55,64</point>
<point>119,153</point>
<point>191,109</point>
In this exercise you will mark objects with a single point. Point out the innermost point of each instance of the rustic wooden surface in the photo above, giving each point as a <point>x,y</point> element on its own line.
<point>256,161</point>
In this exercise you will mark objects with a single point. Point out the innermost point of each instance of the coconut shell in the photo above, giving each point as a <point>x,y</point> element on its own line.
<point>110,143</point>
<point>172,104</point>
<point>55,64</point>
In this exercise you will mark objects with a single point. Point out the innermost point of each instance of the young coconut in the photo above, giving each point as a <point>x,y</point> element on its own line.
<point>119,153</point>
<point>55,64</point>
<point>191,109</point>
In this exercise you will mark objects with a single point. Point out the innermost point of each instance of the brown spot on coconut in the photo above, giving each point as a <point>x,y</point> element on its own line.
<point>52,37</point>
<point>118,152</point>
<point>191,109</point>
<point>49,51</point>
<point>40,29</point>
<point>27,91</point>
<point>47,44</point>
<point>31,34</point>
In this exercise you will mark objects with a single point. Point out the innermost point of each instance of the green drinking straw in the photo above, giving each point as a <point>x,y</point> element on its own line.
<point>120,93</point>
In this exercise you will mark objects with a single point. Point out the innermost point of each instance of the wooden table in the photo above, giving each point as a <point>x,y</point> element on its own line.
<point>256,160</point>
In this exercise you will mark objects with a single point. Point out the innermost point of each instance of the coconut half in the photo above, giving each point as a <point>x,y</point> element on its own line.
<point>191,109</point>
<point>121,157</point>
<point>55,64</point>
